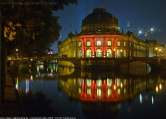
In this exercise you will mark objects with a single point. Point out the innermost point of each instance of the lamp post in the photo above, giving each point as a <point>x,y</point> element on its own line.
<point>158,50</point>
<point>146,35</point>
<point>17,53</point>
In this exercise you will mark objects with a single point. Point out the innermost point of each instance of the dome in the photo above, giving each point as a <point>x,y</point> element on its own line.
<point>99,22</point>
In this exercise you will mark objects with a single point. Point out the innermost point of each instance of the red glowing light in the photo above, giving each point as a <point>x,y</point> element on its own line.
<point>92,38</point>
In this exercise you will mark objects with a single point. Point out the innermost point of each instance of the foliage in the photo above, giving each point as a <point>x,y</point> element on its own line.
<point>29,25</point>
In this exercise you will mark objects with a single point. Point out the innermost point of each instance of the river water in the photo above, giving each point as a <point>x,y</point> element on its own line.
<point>93,95</point>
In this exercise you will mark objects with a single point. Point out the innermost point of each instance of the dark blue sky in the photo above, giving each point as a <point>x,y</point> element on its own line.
<point>138,14</point>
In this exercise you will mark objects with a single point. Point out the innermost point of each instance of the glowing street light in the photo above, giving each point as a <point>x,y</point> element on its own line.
<point>152,100</point>
<point>151,29</point>
<point>160,86</point>
<point>140,32</point>
<point>158,50</point>
<point>17,49</point>
<point>146,32</point>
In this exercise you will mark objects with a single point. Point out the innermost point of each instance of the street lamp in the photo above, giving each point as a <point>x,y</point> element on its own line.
<point>151,29</point>
<point>140,32</point>
<point>17,49</point>
<point>158,50</point>
<point>146,32</point>
<point>17,52</point>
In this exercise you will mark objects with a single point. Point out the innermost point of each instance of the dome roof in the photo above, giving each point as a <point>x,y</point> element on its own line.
<point>99,22</point>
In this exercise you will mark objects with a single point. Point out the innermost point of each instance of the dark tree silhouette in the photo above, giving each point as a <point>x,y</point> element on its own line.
<point>30,25</point>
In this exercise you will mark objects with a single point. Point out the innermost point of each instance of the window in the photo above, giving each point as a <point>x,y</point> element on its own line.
<point>109,43</point>
<point>98,92</point>
<point>109,53</point>
<point>124,53</point>
<point>124,43</point>
<point>80,53</point>
<point>88,91</point>
<point>118,43</point>
<point>88,53</point>
<point>79,90</point>
<point>80,82</point>
<point>118,53</point>
<point>88,82</point>
<point>79,43</point>
<point>98,43</point>
<point>119,91</point>
<point>130,44</point>
<point>109,92</point>
<point>109,82</point>
<point>118,82</point>
<point>98,53</point>
<point>88,43</point>
<point>121,53</point>
<point>99,83</point>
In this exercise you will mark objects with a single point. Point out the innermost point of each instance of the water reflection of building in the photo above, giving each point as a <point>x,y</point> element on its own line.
<point>100,36</point>
<point>108,89</point>
<point>103,88</point>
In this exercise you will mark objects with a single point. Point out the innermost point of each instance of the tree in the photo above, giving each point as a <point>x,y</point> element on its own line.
<point>29,26</point>
<point>31,23</point>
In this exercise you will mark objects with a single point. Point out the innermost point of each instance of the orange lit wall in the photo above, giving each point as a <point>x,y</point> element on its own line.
<point>93,47</point>
<point>113,97</point>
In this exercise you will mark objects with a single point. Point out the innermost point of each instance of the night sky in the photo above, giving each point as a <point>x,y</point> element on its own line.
<point>133,15</point>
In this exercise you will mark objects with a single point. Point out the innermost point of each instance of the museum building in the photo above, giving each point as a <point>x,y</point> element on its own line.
<point>101,37</point>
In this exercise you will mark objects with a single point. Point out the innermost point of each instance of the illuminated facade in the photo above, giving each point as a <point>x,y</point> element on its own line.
<point>100,37</point>
<point>109,46</point>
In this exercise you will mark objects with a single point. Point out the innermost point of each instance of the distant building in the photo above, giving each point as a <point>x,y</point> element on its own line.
<point>101,37</point>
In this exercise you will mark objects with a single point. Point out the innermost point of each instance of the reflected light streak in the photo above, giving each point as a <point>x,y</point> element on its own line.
<point>140,98</point>
<point>27,86</point>
<point>114,87</point>
<point>121,85</point>
<point>160,86</point>
<point>152,100</point>
<point>31,77</point>
<point>157,89</point>
<point>17,84</point>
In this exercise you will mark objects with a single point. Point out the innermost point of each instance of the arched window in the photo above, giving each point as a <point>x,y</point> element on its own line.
<point>88,53</point>
<point>118,43</point>
<point>109,43</point>
<point>121,53</point>
<point>80,53</point>
<point>124,53</point>
<point>109,53</point>
<point>118,53</point>
<point>98,53</point>
<point>88,43</point>
<point>98,43</point>
<point>79,43</point>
